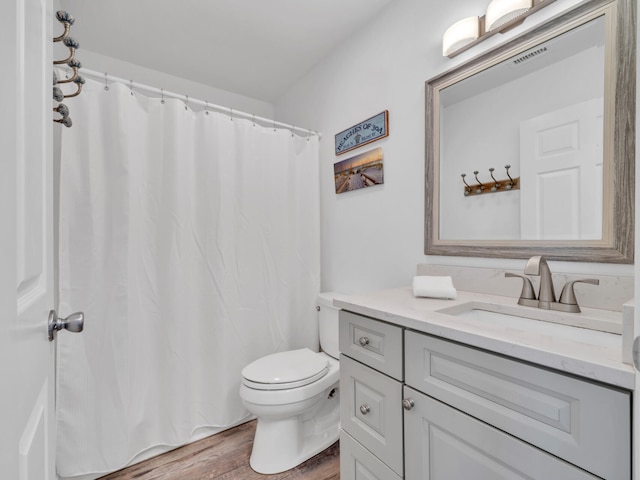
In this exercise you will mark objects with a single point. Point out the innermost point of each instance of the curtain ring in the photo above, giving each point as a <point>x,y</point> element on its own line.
<point>254,120</point>
<point>231,115</point>
<point>106,84</point>
<point>274,125</point>
<point>131,87</point>
<point>206,107</point>
<point>186,104</point>
<point>162,96</point>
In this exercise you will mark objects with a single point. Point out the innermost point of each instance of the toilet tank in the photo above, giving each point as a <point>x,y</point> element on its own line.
<point>328,324</point>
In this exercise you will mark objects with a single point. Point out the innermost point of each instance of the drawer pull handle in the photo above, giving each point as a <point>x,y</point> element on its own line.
<point>407,404</point>
<point>364,409</point>
<point>364,341</point>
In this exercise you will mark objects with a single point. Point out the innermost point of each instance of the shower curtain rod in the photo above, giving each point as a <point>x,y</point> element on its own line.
<point>190,101</point>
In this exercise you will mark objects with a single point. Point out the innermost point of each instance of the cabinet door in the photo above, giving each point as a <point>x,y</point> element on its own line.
<point>442,443</point>
<point>358,463</point>
<point>583,422</point>
<point>371,411</point>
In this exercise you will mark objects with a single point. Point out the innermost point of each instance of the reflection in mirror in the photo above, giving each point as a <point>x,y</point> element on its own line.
<point>540,112</point>
<point>557,105</point>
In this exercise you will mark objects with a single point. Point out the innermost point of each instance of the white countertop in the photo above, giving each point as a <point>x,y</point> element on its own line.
<point>590,354</point>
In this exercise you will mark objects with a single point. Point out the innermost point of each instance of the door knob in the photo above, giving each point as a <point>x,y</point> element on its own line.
<point>73,323</point>
<point>636,353</point>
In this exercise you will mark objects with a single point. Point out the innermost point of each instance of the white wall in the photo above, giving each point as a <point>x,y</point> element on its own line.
<point>373,238</point>
<point>146,76</point>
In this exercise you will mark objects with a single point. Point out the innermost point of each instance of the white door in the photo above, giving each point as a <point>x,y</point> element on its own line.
<point>27,430</point>
<point>561,157</point>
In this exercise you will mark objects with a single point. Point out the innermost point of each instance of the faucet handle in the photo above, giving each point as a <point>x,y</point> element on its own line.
<point>568,296</point>
<point>527,296</point>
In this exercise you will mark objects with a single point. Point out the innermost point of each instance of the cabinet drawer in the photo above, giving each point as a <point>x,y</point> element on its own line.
<point>357,463</point>
<point>558,413</point>
<point>371,411</point>
<point>371,342</point>
<point>444,444</point>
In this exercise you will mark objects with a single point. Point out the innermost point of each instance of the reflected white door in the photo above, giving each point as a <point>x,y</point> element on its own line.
<point>26,243</point>
<point>561,174</point>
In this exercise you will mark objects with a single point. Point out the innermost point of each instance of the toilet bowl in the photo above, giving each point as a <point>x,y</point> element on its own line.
<point>295,397</point>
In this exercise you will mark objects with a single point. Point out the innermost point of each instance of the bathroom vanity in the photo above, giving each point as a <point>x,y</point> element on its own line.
<point>480,387</point>
<point>428,393</point>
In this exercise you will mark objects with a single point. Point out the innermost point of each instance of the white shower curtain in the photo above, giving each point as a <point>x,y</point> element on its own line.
<point>191,242</point>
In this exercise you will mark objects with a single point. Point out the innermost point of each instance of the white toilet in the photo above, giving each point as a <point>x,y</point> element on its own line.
<point>295,397</point>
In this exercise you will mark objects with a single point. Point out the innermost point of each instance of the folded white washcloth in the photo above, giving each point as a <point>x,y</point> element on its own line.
<point>434,287</point>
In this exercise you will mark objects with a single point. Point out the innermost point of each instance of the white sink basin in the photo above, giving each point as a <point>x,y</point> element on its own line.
<point>535,319</point>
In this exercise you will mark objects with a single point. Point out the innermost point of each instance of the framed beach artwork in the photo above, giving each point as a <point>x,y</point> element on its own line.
<point>367,131</point>
<point>360,171</point>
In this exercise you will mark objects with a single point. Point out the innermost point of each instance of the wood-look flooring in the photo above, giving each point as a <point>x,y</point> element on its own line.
<point>225,456</point>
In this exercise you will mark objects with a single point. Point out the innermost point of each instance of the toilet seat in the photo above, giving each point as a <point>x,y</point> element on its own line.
<point>285,370</point>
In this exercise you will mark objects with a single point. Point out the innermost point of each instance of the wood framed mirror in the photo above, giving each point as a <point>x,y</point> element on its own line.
<point>557,106</point>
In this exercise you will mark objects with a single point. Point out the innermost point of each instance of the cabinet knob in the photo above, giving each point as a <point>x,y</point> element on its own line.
<point>364,341</point>
<point>407,404</point>
<point>364,409</point>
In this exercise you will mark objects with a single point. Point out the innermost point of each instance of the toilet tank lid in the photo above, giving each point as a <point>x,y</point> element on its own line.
<point>325,299</point>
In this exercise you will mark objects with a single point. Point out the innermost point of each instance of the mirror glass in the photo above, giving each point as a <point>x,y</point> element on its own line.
<point>541,113</point>
<point>538,129</point>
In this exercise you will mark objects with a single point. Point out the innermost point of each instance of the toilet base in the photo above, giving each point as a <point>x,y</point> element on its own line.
<point>280,445</point>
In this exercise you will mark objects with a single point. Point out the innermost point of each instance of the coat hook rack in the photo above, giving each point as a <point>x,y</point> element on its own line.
<point>480,186</point>
<point>75,66</point>
<point>64,111</point>
<point>67,21</point>
<point>494,186</point>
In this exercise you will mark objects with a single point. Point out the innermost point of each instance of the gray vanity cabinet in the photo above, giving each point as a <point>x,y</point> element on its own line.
<point>443,443</point>
<point>419,407</point>
<point>371,436</point>
<point>358,463</point>
<point>584,423</point>
<point>371,415</point>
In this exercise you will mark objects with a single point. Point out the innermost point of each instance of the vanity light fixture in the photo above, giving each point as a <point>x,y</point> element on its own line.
<point>501,12</point>
<point>460,34</point>
<point>501,16</point>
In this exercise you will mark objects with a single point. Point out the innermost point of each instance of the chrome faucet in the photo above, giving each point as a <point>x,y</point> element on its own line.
<point>546,298</point>
<point>538,266</point>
